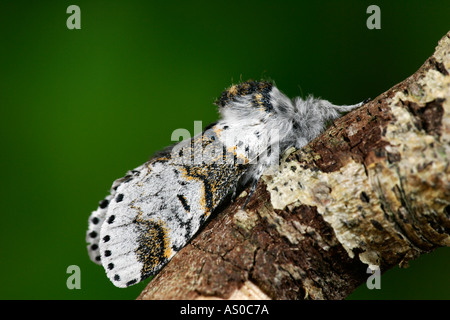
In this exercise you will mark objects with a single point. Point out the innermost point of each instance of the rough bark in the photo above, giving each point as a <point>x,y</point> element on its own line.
<point>372,190</point>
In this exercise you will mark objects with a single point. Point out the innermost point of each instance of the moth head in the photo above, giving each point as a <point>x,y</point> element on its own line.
<point>248,100</point>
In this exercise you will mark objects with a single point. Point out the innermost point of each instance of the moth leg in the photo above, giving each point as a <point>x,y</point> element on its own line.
<point>250,193</point>
<point>287,153</point>
<point>346,108</point>
<point>234,193</point>
<point>255,178</point>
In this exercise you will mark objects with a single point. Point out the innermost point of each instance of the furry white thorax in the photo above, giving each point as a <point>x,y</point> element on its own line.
<point>291,123</point>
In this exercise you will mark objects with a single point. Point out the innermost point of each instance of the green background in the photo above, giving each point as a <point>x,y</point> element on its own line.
<point>81,107</point>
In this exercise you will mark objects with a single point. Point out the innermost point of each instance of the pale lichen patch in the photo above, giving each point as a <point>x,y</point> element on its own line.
<point>392,208</point>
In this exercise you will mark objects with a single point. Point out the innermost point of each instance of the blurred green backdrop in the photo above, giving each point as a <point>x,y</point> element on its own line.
<point>81,107</point>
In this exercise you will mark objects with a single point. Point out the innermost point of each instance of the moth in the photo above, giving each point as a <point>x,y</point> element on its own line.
<point>154,210</point>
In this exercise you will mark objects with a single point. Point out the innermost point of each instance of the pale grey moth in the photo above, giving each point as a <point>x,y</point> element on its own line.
<point>154,210</point>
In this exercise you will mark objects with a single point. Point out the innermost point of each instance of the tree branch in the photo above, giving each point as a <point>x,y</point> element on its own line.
<point>372,190</point>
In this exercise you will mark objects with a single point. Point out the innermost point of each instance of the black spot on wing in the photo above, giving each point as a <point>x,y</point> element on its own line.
<point>103,204</point>
<point>95,220</point>
<point>130,283</point>
<point>119,197</point>
<point>184,203</point>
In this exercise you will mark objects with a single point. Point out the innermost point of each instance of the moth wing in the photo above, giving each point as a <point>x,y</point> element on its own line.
<point>149,219</point>
<point>156,209</point>
<point>96,220</point>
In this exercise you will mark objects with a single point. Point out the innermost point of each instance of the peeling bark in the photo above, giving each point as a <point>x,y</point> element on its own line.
<point>372,190</point>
